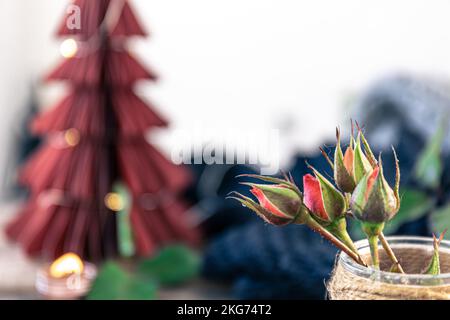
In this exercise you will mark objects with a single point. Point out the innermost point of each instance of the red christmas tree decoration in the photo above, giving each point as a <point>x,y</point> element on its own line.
<point>95,138</point>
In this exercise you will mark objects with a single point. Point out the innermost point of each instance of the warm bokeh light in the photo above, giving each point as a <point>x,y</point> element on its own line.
<point>66,265</point>
<point>114,201</point>
<point>72,137</point>
<point>68,48</point>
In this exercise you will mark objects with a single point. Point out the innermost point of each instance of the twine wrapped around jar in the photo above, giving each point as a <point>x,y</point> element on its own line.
<point>350,281</point>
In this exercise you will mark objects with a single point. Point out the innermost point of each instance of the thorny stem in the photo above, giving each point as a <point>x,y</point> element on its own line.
<point>334,240</point>
<point>345,238</point>
<point>373,243</point>
<point>387,248</point>
<point>339,229</point>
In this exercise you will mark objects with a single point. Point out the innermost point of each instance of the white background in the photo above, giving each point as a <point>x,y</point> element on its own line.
<point>257,64</point>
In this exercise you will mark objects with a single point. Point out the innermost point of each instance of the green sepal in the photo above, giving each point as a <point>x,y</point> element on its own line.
<point>361,165</point>
<point>397,180</point>
<point>287,182</point>
<point>368,151</point>
<point>372,229</point>
<point>259,210</point>
<point>434,267</point>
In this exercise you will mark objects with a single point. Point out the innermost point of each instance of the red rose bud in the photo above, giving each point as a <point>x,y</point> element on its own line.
<point>351,166</point>
<point>277,204</point>
<point>343,165</point>
<point>323,200</point>
<point>278,199</point>
<point>327,205</point>
<point>281,203</point>
<point>373,200</point>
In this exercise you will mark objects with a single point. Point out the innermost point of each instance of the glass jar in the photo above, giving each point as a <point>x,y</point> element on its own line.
<point>352,281</point>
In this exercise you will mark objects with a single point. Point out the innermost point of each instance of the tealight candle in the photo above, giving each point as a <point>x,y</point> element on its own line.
<point>68,277</point>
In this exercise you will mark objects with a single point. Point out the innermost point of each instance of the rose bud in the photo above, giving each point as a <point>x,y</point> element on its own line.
<point>322,198</point>
<point>343,165</point>
<point>278,204</point>
<point>281,203</point>
<point>351,166</point>
<point>374,202</point>
<point>327,205</point>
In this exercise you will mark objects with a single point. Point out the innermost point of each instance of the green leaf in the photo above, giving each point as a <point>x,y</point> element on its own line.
<point>113,283</point>
<point>414,204</point>
<point>428,168</point>
<point>172,266</point>
<point>440,220</point>
<point>140,289</point>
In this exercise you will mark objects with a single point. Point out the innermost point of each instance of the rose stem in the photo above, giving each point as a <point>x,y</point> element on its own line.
<point>345,238</point>
<point>373,243</point>
<point>390,253</point>
<point>338,243</point>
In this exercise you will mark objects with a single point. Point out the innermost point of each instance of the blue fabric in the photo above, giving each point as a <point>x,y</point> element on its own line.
<point>268,262</point>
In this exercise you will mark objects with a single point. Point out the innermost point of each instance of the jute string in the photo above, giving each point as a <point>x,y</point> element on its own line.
<point>345,285</point>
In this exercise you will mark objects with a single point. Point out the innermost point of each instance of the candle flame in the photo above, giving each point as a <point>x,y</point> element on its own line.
<point>72,137</point>
<point>66,265</point>
<point>114,202</point>
<point>69,48</point>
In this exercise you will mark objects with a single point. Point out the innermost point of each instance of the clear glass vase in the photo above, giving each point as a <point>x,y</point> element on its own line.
<point>351,280</point>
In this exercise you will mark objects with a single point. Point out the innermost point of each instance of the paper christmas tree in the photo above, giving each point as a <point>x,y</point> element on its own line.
<point>95,138</point>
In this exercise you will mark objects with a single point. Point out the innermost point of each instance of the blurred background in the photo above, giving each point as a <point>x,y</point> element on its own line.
<point>295,66</point>
<point>262,64</point>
